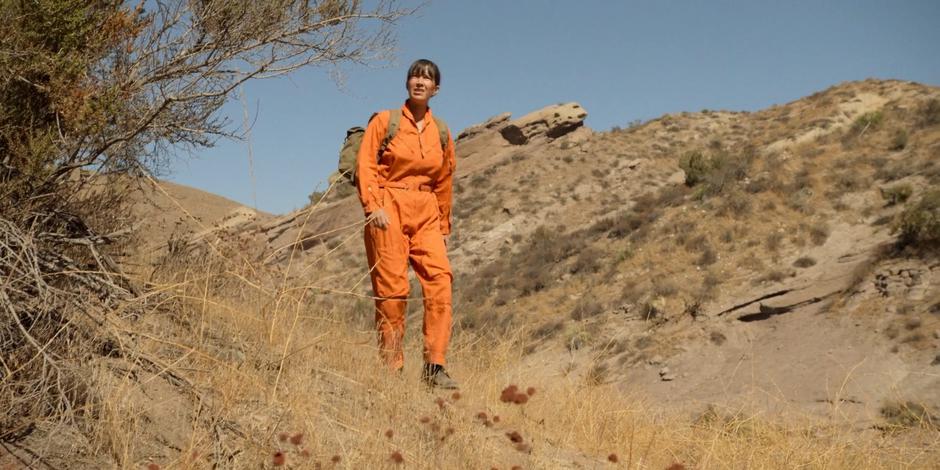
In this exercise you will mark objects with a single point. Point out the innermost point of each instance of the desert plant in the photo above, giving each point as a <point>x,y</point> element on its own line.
<point>899,193</point>
<point>930,113</point>
<point>93,97</point>
<point>919,224</point>
<point>819,233</point>
<point>866,122</point>
<point>804,262</point>
<point>712,173</point>
<point>899,140</point>
<point>586,308</point>
<point>696,166</point>
<point>907,414</point>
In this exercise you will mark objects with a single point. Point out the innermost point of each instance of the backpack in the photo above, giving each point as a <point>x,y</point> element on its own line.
<point>350,149</point>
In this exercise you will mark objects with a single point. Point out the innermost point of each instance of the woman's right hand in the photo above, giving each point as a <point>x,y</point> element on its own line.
<point>379,218</point>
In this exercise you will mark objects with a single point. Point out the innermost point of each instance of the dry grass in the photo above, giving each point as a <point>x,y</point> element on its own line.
<point>265,375</point>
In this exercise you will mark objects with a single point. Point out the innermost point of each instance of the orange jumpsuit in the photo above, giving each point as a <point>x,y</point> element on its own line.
<point>412,181</point>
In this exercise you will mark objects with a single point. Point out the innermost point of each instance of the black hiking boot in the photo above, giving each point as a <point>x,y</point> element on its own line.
<point>436,377</point>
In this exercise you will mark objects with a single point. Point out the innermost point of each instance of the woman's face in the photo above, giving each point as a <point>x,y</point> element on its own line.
<point>421,89</point>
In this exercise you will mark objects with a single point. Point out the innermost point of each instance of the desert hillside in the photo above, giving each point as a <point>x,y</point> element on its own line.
<point>742,259</point>
<point>709,289</point>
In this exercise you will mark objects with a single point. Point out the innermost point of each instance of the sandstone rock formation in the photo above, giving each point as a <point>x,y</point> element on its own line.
<point>551,122</point>
<point>494,122</point>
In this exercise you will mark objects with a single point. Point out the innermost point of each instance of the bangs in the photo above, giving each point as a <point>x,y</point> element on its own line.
<point>426,69</point>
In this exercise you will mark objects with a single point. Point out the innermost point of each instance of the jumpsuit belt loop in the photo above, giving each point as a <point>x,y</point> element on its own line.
<point>410,187</point>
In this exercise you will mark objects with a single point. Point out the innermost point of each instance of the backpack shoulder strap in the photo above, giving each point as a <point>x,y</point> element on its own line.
<point>394,117</point>
<point>442,130</point>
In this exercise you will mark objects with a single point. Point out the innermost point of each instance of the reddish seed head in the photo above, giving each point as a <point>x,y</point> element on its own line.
<point>435,427</point>
<point>279,459</point>
<point>508,394</point>
<point>530,391</point>
<point>613,458</point>
<point>455,396</point>
<point>481,415</point>
<point>306,454</point>
<point>397,457</point>
<point>440,402</point>
<point>151,466</point>
<point>297,439</point>
<point>495,418</point>
<point>523,447</point>
<point>282,436</point>
<point>335,459</point>
<point>520,398</point>
<point>516,467</point>
<point>514,436</point>
<point>389,433</point>
<point>425,419</point>
<point>676,466</point>
<point>449,431</point>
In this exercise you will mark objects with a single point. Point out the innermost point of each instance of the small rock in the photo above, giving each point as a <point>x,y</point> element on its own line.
<point>656,360</point>
<point>664,371</point>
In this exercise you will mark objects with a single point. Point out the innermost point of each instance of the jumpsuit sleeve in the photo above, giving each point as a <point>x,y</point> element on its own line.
<point>367,167</point>
<point>443,189</point>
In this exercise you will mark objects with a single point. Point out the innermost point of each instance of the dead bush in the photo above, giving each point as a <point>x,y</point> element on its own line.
<point>586,308</point>
<point>930,113</point>
<point>908,414</point>
<point>819,233</point>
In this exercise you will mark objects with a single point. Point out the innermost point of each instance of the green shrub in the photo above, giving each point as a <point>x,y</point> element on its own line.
<point>919,224</point>
<point>867,122</point>
<point>714,172</point>
<point>696,166</point>
<point>897,194</point>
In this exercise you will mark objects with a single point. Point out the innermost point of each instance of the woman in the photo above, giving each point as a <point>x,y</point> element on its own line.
<point>405,186</point>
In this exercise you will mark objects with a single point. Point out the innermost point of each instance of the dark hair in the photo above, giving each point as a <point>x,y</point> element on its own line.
<point>425,68</point>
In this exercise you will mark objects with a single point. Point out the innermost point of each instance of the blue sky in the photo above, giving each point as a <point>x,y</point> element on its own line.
<point>622,60</point>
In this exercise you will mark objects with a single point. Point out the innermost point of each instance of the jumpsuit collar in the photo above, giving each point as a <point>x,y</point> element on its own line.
<point>407,113</point>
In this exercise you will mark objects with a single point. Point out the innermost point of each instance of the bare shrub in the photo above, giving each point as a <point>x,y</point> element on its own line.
<point>819,233</point>
<point>96,93</point>
<point>907,414</point>
<point>930,113</point>
<point>899,140</point>
<point>586,308</point>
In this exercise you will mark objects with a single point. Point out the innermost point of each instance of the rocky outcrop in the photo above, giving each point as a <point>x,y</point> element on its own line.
<point>494,122</point>
<point>551,122</point>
